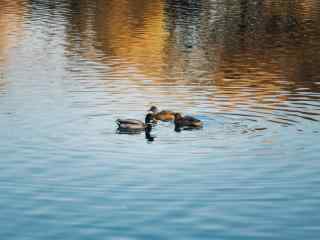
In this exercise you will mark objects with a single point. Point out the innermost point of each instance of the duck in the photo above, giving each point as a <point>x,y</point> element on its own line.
<point>186,121</point>
<point>134,125</point>
<point>164,115</point>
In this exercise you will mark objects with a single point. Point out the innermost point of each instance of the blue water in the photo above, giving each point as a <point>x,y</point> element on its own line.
<point>248,69</point>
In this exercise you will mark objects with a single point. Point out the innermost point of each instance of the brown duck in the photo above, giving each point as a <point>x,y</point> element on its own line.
<point>163,115</point>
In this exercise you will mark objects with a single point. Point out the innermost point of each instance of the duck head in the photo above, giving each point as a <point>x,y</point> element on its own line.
<point>177,116</point>
<point>154,109</point>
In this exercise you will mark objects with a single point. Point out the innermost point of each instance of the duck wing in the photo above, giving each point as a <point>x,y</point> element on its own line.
<point>164,116</point>
<point>166,113</point>
<point>129,122</point>
<point>192,121</point>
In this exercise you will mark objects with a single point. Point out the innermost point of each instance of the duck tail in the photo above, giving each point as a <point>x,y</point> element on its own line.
<point>118,122</point>
<point>198,124</point>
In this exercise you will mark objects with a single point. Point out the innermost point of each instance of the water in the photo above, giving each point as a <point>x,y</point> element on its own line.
<point>250,70</point>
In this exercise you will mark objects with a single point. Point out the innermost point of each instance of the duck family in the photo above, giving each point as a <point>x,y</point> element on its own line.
<point>153,116</point>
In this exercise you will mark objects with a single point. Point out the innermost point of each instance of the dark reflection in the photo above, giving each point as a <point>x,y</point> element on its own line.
<point>178,128</point>
<point>148,135</point>
<point>2,84</point>
<point>186,15</point>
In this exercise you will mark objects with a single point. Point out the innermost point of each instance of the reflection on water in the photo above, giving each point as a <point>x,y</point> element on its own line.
<point>11,27</point>
<point>265,54</point>
<point>248,69</point>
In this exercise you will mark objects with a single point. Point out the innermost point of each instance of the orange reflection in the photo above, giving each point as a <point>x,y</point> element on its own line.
<point>11,26</point>
<point>133,31</point>
<point>11,29</point>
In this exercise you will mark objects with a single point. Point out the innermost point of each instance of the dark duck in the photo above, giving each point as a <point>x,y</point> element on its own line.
<point>186,122</point>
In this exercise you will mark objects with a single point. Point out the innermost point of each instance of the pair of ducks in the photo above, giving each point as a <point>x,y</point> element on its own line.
<point>153,116</point>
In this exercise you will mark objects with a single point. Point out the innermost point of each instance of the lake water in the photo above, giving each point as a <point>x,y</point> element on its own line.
<point>250,70</point>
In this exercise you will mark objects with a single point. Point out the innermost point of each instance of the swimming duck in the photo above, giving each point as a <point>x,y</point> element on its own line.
<point>133,125</point>
<point>163,115</point>
<point>187,121</point>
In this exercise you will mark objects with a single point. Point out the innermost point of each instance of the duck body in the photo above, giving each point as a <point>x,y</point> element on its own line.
<point>187,121</point>
<point>164,115</point>
<point>134,124</point>
<point>130,124</point>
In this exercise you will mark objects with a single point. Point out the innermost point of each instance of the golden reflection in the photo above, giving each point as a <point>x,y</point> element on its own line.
<point>133,31</point>
<point>11,26</point>
<point>11,29</point>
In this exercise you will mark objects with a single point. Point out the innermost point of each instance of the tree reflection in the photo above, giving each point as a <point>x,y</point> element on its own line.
<point>266,46</point>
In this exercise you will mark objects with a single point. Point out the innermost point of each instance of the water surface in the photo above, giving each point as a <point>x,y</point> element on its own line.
<point>250,70</point>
